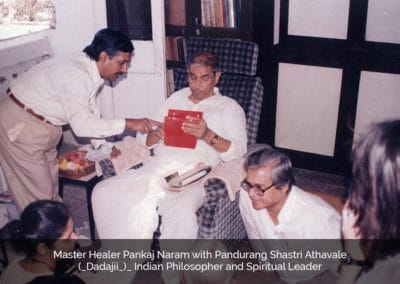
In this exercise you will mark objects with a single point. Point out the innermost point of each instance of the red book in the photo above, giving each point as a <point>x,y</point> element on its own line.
<point>173,133</point>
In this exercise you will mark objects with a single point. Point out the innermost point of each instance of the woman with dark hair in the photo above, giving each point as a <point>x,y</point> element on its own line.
<point>45,226</point>
<point>371,217</point>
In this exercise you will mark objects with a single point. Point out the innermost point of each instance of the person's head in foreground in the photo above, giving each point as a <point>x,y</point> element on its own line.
<point>374,197</point>
<point>57,279</point>
<point>269,179</point>
<point>112,51</point>
<point>203,75</point>
<point>45,227</point>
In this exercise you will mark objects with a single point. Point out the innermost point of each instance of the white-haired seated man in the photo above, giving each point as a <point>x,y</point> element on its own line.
<point>291,224</point>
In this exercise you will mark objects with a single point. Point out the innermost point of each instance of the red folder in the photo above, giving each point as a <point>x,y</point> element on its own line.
<point>173,133</point>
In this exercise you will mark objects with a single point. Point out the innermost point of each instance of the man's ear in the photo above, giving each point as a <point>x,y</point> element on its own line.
<point>217,76</point>
<point>285,188</point>
<point>103,56</point>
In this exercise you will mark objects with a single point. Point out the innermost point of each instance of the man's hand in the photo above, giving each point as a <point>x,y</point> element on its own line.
<point>159,132</point>
<point>196,126</point>
<point>155,135</point>
<point>143,125</point>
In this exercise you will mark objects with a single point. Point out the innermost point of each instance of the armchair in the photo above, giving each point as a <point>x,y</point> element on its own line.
<point>238,63</point>
<point>219,217</point>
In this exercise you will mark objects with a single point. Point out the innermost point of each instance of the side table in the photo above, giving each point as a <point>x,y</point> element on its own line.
<point>88,182</point>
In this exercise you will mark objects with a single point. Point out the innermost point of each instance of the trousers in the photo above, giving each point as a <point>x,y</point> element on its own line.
<point>28,155</point>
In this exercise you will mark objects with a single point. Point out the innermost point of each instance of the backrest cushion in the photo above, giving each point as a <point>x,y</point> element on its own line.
<point>235,56</point>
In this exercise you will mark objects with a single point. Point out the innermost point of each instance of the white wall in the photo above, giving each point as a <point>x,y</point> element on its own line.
<point>138,95</point>
<point>378,99</point>
<point>311,94</point>
<point>144,87</point>
<point>311,104</point>
<point>316,18</point>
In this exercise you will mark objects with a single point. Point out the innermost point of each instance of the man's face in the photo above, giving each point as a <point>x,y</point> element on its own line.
<point>111,68</point>
<point>273,198</point>
<point>202,81</point>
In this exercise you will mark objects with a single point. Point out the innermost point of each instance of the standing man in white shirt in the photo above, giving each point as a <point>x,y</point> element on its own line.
<point>55,93</point>
<point>275,210</point>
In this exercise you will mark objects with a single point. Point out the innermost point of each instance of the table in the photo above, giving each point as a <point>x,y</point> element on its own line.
<point>88,182</point>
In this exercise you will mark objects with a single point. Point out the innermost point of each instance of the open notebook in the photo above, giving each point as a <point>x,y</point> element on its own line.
<point>187,175</point>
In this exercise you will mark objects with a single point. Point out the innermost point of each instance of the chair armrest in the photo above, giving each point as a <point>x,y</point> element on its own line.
<point>219,218</point>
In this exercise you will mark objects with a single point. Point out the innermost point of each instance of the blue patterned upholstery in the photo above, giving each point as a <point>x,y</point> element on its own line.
<point>238,63</point>
<point>235,56</point>
<point>219,217</point>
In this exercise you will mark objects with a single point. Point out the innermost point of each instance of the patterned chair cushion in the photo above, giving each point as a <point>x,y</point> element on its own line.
<point>219,218</point>
<point>235,56</point>
<point>247,91</point>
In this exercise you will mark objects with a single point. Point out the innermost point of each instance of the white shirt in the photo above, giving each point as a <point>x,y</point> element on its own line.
<point>303,220</point>
<point>303,216</point>
<point>64,91</point>
<point>134,195</point>
<point>222,114</point>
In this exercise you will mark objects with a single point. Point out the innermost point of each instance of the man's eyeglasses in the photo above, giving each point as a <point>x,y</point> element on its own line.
<point>259,190</point>
<point>204,79</point>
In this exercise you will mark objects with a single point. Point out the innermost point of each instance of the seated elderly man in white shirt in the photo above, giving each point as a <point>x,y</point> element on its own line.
<point>280,217</point>
<point>138,196</point>
<point>127,206</point>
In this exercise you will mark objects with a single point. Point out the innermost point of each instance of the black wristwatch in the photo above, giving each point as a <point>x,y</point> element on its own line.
<point>351,261</point>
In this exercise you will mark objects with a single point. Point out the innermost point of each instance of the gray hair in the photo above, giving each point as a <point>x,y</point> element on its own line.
<point>205,58</point>
<point>281,166</point>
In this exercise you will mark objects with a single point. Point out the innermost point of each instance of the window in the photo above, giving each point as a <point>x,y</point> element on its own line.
<point>132,17</point>
<point>22,17</point>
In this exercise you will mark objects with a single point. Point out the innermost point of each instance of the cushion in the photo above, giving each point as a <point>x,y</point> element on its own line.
<point>235,56</point>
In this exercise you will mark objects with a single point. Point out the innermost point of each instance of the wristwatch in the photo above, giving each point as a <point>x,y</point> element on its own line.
<point>351,261</point>
<point>214,140</point>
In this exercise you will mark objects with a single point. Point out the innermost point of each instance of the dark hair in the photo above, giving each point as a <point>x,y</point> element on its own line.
<point>42,221</point>
<point>205,58</point>
<point>281,166</point>
<point>57,279</point>
<point>374,195</point>
<point>109,41</point>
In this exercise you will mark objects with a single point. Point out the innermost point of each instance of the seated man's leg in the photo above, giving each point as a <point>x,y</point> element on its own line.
<point>178,213</point>
<point>179,224</point>
<point>123,208</point>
